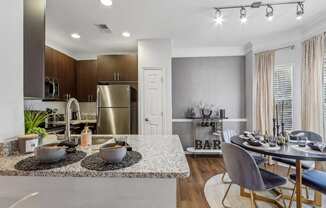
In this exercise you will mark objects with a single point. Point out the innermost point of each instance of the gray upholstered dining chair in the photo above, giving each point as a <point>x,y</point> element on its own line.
<point>227,135</point>
<point>243,171</point>
<point>306,165</point>
<point>313,137</point>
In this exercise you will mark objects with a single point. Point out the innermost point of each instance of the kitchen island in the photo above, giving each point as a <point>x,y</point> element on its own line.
<point>149,183</point>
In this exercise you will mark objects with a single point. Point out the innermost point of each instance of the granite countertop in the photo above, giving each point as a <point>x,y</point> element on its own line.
<point>162,157</point>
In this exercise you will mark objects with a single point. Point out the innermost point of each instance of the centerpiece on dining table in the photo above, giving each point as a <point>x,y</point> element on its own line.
<point>279,133</point>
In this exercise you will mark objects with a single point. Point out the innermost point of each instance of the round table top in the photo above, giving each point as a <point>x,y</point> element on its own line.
<point>285,151</point>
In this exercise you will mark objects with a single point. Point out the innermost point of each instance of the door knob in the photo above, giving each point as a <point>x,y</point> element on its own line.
<point>146,119</point>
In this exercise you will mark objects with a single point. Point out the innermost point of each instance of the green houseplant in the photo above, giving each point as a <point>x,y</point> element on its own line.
<point>33,120</point>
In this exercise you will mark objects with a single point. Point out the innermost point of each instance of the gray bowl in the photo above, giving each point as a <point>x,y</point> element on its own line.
<point>113,153</point>
<point>50,153</point>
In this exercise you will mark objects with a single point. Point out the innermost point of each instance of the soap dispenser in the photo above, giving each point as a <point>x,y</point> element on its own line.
<point>86,137</point>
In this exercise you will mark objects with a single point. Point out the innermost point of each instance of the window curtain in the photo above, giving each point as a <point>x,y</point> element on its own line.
<point>311,82</point>
<point>265,63</point>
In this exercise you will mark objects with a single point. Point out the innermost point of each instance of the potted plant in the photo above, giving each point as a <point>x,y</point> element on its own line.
<point>33,120</point>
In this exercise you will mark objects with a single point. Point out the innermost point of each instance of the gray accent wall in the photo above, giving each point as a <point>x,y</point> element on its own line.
<point>212,80</point>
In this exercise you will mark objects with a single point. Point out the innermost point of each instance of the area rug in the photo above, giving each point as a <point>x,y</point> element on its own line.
<point>214,191</point>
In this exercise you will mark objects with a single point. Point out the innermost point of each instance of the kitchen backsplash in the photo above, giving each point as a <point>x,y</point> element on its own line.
<point>85,107</point>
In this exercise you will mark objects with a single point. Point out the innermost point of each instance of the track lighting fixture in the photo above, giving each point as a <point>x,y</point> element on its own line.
<point>243,15</point>
<point>269,12</point>
<point>218,17</point>
<point>300,10</point>
<point>256,5</point>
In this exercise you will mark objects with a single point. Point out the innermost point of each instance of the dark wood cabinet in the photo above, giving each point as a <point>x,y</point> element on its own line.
<point>50,68</point>
<point>34,45</point>
<point>67,76</point>
<point>117,68</point>
<point>62,68</point>
<point>86,80</point>
<point>106,68</point>
<point>79,78</point>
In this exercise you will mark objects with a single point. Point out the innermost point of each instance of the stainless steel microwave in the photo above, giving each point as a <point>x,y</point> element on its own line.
<point>51,88</point>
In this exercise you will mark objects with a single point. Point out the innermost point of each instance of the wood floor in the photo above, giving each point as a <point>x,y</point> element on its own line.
<point>190,191</point>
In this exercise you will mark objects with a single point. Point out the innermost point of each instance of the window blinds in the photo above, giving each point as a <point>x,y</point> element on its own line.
<point>283,92</point>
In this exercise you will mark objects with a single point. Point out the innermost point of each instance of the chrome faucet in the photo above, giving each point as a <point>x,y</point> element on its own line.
<point>68,115</point>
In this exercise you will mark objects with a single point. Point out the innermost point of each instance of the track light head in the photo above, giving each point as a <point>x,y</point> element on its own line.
<point>243,15</point>
<point>300,10</point>
<point>269,12</point>
<point>218,17</point>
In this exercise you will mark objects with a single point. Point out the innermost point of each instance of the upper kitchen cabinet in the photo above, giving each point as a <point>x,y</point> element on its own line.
<point>117,68</point>
<point>86,80</point>
<point>34,45</point>
<point>60,68</point>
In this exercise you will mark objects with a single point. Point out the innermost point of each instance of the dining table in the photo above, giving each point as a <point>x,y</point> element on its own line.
<point>291,150</point>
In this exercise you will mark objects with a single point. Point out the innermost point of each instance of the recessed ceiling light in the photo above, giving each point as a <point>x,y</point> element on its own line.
<point>75,35</point>
<point>126,34</point>
<point>107,2</point>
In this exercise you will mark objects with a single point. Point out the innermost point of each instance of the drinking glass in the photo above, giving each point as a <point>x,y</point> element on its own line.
<point>302,141</point>
<point>272,141</point>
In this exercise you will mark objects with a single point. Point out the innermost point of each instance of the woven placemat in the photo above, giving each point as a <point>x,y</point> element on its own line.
<point>32,164</point>
<point>94,162</point>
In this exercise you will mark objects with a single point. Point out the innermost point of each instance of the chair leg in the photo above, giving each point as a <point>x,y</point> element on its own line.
<point>289,171</point>
<point>282,196</point>
<point>292,196</point>
<point>252,197</point>
<point>225,195</point>
<point>307,192</point>
<point>223,179</point>
<point>223,176</point>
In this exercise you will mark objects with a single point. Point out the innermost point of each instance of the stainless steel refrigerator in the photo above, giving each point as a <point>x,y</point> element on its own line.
<point>114,109</point>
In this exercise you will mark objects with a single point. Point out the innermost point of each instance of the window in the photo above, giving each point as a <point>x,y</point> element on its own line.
<point>283,92</point>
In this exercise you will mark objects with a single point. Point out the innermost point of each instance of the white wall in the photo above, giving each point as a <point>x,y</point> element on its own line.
<point>156,53</point>
<point>208,52</point>
<point>11,80</point>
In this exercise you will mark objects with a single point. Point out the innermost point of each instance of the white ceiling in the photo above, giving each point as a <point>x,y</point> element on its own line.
<point>189,23</point>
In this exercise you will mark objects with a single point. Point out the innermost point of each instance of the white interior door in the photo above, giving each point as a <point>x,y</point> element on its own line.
<point>153,107</point>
